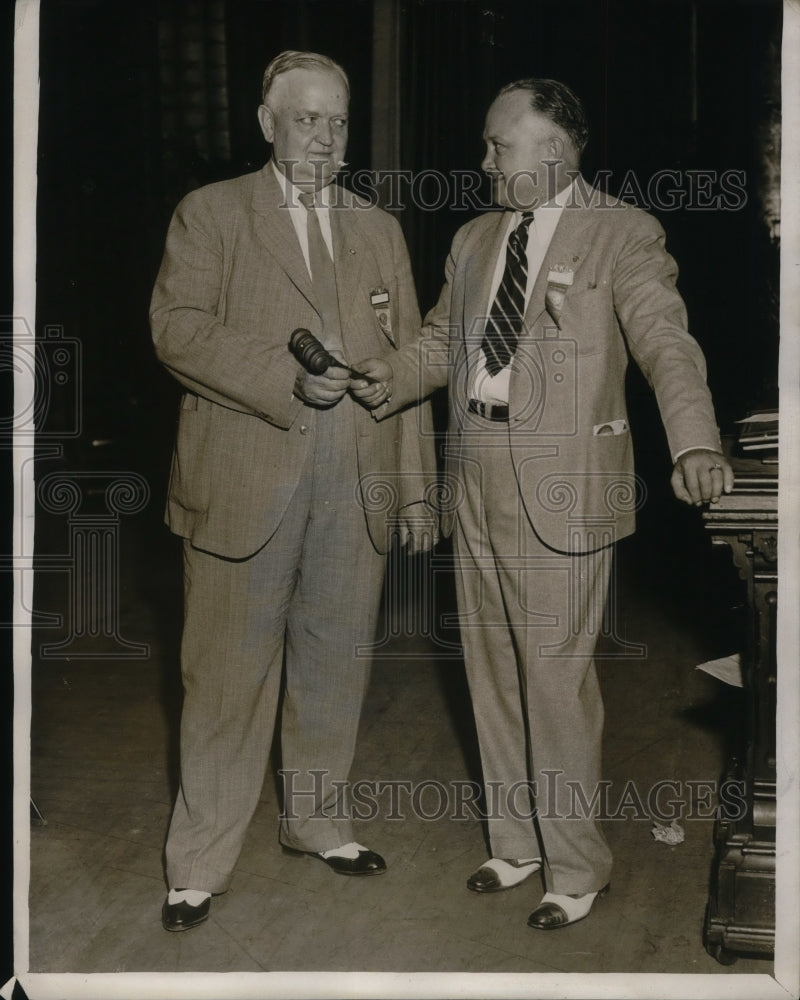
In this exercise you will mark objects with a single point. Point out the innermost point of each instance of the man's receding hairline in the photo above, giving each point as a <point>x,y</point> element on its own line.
<point>292,59</point>
<point>528,110</point>
<point>322,70</point>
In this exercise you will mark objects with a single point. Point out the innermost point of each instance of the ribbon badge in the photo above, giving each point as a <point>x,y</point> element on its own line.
<point>559,279</point>
<point>379,300</point>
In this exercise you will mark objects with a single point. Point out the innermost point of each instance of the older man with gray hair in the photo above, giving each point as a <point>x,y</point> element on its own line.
<point>283,548</point>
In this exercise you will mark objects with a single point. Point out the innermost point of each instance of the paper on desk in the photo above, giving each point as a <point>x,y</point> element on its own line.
<point>672,834</point>
<point>759,418</point>
<point>727,669</point>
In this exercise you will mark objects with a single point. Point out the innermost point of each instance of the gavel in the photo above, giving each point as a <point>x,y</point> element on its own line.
<point>315,358</point>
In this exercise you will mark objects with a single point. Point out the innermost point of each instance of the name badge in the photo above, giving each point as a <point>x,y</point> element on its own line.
<point>379,300</point>
<point>561,277</point>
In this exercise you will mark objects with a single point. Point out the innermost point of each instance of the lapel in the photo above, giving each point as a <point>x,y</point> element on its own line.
<point>276,232</point>
<point>350,250</point>
<point>568,249</point>
<point>478,275</point>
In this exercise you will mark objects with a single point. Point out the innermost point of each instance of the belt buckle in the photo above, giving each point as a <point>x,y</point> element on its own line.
<point>489,411</point>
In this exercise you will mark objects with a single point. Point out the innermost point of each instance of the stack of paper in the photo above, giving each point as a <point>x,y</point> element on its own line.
<point>759,431</point>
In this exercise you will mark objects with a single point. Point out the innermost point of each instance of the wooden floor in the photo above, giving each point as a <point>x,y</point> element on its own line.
<point>104,761</point>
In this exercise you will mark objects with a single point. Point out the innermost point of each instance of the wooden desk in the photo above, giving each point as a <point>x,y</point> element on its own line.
<point>740,917</point>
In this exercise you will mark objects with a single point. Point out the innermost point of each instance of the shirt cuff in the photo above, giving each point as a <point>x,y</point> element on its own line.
<point>694,447</point>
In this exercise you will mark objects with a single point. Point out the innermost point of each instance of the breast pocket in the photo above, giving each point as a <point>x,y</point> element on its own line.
<point>588,317</point>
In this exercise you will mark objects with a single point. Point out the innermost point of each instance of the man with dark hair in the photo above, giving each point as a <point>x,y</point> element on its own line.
<point>542,304</point>
<point>557,102</point>
<point>270,490</point>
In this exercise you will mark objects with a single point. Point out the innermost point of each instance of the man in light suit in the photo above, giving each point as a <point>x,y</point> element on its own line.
<point>284,489</point>
<point>542,303</point>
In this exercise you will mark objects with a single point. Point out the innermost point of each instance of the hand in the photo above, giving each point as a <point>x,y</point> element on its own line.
<point>417,527</point>
<point>325,389</point>
<point>373,394</point>
<point>701,475</point>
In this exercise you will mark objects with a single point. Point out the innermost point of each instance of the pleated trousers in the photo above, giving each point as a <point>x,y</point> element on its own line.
<point>529,620</point>
<point>300,607</point>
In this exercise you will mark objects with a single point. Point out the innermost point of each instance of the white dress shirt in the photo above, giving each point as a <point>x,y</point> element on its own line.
<point>298,213</point>
<point>494,388</point>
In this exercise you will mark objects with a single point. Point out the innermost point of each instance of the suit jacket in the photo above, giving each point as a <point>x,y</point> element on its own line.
<point>232,287</point>
<point>606,291</point>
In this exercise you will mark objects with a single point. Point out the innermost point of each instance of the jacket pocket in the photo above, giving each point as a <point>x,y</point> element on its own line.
<point>189,484</point>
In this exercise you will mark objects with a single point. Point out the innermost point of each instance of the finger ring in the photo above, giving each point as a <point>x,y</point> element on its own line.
<point>717,465</point>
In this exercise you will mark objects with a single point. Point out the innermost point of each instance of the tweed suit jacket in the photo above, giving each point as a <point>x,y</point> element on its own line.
<point>605,292</point>
<point>232,286</point>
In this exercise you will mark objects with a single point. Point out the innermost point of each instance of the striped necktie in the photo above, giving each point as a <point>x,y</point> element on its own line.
<point>323,277</point>
<point>504,323</point>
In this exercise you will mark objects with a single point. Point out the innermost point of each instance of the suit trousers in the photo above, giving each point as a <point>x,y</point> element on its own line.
<point>307,600</point>
<point>529,619</point>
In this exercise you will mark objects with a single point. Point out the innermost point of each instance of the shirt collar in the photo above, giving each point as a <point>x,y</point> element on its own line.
<point>562,198</point>
<point>292,191</point>
<point>556,204</point>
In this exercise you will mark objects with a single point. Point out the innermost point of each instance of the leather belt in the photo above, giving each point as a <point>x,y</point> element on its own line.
<point>489,411</point>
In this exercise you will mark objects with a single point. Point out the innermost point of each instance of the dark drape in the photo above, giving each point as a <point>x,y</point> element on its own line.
<point>447,74</point>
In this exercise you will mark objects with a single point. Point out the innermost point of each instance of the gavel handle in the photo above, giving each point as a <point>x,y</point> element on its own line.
<point>352,372</point>
<point>332,362</point>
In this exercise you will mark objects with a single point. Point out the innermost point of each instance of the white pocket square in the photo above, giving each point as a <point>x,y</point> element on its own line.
<point>610,427</point>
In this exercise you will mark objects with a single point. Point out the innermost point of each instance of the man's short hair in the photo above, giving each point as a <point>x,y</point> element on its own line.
<point>557,102</point>
<point>298,60</point>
